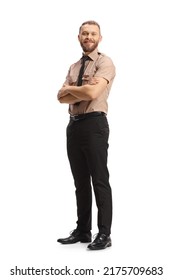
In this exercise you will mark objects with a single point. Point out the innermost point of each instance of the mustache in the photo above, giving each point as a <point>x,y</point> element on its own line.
<point>90,41</point>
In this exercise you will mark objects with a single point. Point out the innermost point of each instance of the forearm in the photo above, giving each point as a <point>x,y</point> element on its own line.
<point>89,91</point>
<point>84,92</point>
<point>69,99</point>
<point>72,94</point>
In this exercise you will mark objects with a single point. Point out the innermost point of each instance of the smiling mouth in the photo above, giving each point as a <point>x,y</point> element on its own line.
<point>88,42</point>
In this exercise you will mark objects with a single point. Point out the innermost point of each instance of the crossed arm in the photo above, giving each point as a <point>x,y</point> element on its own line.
<point>72,94</point>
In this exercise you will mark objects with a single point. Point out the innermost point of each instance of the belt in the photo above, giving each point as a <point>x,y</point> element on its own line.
<point>87,116</point>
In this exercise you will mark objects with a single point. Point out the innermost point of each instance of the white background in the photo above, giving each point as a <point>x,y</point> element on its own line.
<point>37,200</point>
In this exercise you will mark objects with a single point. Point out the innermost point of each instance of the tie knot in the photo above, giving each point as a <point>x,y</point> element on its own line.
<point>85,58</point>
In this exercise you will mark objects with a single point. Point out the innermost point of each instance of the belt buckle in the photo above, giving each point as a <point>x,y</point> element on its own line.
<point>74,118</point>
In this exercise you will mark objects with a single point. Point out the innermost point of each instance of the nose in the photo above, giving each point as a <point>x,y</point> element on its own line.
<point>89,36</point>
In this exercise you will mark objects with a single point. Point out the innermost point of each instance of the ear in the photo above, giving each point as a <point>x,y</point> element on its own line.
<point>78,38</point>
<point>100,39</point>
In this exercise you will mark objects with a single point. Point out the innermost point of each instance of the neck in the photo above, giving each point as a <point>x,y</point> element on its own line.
<point>86,53</point>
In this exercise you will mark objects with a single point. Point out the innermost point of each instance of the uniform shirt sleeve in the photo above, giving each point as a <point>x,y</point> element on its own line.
<point>105,68</point>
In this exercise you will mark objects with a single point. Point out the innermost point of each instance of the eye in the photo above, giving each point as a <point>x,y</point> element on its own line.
<point>84,33</point>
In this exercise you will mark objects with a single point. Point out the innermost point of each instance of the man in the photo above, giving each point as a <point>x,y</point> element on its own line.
<point>87,136</point>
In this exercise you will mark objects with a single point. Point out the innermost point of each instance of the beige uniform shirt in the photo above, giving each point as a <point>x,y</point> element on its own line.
<point>100,65</point>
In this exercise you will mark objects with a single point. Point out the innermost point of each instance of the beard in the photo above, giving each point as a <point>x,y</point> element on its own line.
<point>89,48</point>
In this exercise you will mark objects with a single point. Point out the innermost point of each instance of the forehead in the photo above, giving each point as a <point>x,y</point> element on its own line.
<point>89,28</point>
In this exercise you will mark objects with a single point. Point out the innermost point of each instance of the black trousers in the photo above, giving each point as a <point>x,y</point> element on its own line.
<point>87,148</point>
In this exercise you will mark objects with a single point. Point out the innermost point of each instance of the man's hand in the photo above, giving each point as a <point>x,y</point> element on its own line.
<point>93,81</point>
<point>64,96</point>
<point>63,91</point>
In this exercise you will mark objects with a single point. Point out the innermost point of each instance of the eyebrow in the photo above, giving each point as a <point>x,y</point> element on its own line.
<point>93,32</point>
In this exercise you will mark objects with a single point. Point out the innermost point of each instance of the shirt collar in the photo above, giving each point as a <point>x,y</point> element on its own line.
<point>93,55</point>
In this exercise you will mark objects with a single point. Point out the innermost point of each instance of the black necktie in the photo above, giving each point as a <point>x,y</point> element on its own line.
<point>83,59</point>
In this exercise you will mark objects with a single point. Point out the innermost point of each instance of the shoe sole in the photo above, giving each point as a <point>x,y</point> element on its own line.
<point>67,243</point>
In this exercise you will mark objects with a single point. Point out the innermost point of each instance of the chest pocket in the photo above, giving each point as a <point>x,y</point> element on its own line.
<point>90,70</point>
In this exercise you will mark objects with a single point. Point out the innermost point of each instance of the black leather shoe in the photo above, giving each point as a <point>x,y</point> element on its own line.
<point>102,241</point>
<point>76,236</point>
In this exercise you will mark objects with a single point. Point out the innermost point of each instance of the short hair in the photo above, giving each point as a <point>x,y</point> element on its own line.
<point>91,22</point>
